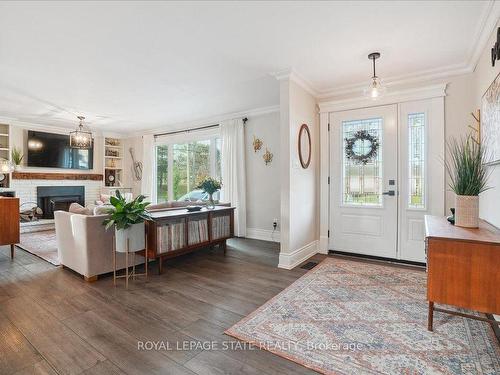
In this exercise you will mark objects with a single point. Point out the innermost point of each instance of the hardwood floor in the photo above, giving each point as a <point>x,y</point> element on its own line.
<point>52,322</point>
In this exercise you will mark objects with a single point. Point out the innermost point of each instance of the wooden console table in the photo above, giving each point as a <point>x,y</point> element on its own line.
<point>9,222</point>
<point>463,268</point>
<point>175,232</point>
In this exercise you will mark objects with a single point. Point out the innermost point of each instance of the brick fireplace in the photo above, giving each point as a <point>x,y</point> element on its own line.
<point>54,198</point>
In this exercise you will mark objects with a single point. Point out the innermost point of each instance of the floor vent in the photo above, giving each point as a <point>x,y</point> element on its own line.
<point>309,265</point>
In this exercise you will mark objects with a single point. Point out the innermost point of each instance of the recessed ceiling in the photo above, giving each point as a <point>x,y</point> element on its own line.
<point>129,66</point>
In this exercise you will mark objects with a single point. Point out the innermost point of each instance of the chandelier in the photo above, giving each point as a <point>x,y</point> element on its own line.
<point>375,90</point>
<point>80,138</point>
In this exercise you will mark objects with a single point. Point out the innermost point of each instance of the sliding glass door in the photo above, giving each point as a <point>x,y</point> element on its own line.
<point>181,165</point>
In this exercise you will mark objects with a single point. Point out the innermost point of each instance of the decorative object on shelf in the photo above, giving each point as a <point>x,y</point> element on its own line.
<point>490,121</point>
<point>112,163</point>
<point>376,89</point>
<point>17,156</point>
<point>80,138</point>
<point>6,166</point>
<point>193,208</point>
<point>112,153</point>
<point>210,185</point>
<point>468,175</point>
<point>110,177</point>
<point>451,218</point>
<point>357,149</point>
<point>257,144</point>
<point>495,50</point>
<point>112,142</point>
<point>4,180</point>
<point>136,166</point>
<point>268,157</point>
<point>304,146</point>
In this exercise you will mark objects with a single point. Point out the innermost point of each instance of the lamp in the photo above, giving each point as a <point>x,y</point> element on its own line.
<point>6,166</point>
<point>80,138</point>
<point>375,90</point>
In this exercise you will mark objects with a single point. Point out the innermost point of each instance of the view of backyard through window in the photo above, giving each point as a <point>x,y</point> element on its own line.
<point>181,166</point>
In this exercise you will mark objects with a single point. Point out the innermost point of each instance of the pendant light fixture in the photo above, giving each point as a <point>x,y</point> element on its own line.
<point>375,90</point>
<point>80,138</point>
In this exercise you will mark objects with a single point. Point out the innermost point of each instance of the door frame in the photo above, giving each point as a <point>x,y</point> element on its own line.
<point>436,92</point>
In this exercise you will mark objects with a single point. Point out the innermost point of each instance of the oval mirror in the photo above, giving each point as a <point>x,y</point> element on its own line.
<point>304,146</point>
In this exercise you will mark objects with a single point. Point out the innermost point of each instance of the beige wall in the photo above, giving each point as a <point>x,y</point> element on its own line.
<point>262,181</point>
<point>299,187</point>
<point>484,74</point>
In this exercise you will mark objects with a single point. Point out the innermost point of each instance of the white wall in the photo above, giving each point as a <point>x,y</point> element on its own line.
<point>299,187</point>
<point>263,181</point>
<point>484,74</point>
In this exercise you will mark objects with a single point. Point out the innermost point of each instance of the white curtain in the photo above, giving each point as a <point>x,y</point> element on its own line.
<point>148,144</point>
<point>233,172</point>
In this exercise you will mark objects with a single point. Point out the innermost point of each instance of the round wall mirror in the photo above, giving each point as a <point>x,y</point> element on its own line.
<point>304,146</point>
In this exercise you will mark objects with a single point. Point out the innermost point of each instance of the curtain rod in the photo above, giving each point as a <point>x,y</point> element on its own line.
<point>193,129</point>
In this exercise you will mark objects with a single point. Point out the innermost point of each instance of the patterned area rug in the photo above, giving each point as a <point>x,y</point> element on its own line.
<point>347,317</point>
<point>42,244</point>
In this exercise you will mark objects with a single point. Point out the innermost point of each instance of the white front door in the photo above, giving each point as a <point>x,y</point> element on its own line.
<point>363,194</point>
<point>365,218</point>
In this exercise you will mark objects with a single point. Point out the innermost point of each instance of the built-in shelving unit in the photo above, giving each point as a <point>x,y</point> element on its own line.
<point>4,142</point>
<point>113,162</point>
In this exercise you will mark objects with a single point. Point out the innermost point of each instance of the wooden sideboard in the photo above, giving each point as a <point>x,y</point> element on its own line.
<point>9,222</point>
<point>172,233</point>
<point>463,268</point>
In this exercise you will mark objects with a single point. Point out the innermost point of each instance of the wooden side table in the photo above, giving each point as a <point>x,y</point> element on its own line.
<point>462,268</point>
<point>9,222</point>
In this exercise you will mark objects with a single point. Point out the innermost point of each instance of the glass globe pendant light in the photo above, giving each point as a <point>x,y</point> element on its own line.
<point>6,166</point>
<point>80,138</point>
<point>375,90</point>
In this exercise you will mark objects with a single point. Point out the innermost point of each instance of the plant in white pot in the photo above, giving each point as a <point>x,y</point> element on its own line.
<point>128,219</point>
<point>468,175</point>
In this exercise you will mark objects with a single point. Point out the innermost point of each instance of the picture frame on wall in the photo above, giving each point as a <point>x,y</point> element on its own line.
<point>490,121</point>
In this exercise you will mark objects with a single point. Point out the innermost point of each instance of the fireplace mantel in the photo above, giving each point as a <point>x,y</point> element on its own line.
<point>56,176</point>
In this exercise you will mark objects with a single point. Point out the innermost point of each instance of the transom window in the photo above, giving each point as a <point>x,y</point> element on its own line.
<point>181,166</point>
<point>362,182</point>
<point>416,160</point>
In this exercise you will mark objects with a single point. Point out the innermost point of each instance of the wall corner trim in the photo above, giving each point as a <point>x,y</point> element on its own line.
<point>292,260</point>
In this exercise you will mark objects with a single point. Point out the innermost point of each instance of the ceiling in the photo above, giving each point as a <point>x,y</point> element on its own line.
<point>131,66</point>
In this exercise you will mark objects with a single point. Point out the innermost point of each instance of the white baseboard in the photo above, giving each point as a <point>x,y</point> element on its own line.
<point>263,234</point>
<point>292,260</point>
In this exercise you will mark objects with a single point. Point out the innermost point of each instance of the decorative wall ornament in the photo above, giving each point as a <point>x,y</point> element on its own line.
<point>257,144</point>
<point>476,128</point>
<point>357,150</point>
<point>490,121</point>
<point>304,146</point>
<point>495,50</point>
<point>268,157</point>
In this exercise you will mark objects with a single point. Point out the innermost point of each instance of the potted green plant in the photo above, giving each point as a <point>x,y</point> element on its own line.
<point>210,185</point>
<point>16,156</point>
<point>128,219</point>
<point>469,176</point>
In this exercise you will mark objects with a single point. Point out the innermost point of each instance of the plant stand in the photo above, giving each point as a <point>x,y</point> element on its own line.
<point>133,274</point>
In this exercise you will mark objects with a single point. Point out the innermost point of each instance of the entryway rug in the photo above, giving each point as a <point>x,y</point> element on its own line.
<point>349,317</point>
<point>42,244</point>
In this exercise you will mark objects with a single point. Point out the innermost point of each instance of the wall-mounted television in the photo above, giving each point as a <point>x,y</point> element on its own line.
<point>48,150</point>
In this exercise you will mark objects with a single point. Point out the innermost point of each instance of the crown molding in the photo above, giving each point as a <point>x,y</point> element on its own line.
<point>208,120</point>
<point>399,96</point>
<point>292,75</point>
<point>488,21</point>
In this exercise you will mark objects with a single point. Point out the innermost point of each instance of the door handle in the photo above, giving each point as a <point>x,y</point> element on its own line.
<point>390,193</point>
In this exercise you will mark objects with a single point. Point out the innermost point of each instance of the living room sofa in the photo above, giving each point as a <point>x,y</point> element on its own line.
<point>85,246</point>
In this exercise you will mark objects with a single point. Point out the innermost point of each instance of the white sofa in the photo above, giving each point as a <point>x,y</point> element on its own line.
<point>85,246</point>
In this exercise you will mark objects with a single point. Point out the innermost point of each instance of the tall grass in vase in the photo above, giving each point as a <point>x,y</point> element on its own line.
<point>468,178</point>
